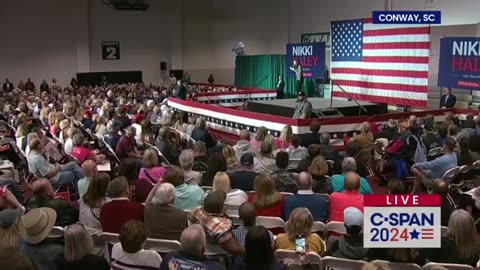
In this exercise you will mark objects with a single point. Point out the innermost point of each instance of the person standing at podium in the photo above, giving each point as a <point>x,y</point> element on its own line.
<point>280,87</point>
<point>303,109</point>
<point>297,68</point>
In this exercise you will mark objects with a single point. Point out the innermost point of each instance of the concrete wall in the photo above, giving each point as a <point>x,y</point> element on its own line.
<point>146,37</point>
<point>43,39</point>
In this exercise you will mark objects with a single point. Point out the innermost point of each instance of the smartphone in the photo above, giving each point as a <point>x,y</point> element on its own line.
<point>300,244</point>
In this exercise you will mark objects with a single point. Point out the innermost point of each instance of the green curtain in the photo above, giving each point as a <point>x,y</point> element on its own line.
<point>262,71</point>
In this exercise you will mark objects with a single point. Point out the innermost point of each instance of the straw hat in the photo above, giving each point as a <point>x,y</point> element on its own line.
<point>37,224</point>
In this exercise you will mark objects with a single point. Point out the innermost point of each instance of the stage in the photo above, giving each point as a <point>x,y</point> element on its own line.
<point>321,107</point>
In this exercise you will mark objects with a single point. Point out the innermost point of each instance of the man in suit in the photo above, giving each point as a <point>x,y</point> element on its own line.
<point>280,87</point>
<point>448,100</point>
<point>7,86</point>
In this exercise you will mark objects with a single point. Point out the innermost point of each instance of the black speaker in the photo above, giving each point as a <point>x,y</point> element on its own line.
<point>163,65</point>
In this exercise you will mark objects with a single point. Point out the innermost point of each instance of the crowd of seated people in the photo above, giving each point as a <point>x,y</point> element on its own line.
<point>207,193</point>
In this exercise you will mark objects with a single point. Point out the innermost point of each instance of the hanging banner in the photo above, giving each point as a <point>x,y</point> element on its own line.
<point>459,65</point>
<point>311,57</point>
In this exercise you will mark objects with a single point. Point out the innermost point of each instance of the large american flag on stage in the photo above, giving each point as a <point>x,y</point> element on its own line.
<point>383,63</point>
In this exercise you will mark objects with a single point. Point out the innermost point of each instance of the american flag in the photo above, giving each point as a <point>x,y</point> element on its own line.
<point>382,63</point>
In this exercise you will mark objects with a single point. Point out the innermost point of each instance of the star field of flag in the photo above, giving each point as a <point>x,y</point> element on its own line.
<point>347,40</point>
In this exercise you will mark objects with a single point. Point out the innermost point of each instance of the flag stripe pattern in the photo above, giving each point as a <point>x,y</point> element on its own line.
<point>426,234</point>
<point>380,63</point>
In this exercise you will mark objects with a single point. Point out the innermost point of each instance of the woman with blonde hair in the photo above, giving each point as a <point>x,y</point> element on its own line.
<point>151,171</point>
<point>230,157</point>
<point>285,139</point>
<point>319,169</point>
<point>78,248</point>
<point>235,197</point>
<point>260,136</point>
<point>300,224</point>
<point>266,199</point>
<point>459,243</point>
<point>44,114</point>
<point>101,126</point>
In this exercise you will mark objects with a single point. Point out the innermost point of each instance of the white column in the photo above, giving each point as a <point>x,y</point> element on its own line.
<point>82,36</point>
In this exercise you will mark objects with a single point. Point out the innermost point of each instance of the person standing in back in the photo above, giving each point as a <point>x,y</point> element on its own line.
<point>448,100</point>
<point>211,80</point>
<point>280,87</point>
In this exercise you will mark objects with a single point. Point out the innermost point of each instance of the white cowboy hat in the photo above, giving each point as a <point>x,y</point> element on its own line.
<point>37,224</point>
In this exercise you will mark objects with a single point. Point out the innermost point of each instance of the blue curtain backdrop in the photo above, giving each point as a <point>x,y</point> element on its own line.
<point>262,71</point>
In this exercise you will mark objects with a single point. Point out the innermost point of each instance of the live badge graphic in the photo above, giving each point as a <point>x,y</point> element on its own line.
<point>402,221</point>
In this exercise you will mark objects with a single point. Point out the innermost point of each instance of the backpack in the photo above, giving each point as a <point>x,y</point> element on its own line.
<point>420,152</point>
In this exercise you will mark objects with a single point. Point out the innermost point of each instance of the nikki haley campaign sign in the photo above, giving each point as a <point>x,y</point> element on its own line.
<point>311,57</point>
<point>459,65</point>
<point>402,221</point>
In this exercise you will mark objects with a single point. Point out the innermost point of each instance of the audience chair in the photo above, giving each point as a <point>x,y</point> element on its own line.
<point>334,228</point>
<point>109,239</point>
<point>283,254</point>
<point>434,152</point>
<point>236,220</point>
<point>56,232</point>
<point>163,246</point>
<point>449,266</point>
<point>364,157</point>
<point>111,151</point>
<point>459,183</point>
<point>331,163</point>
<point>213,249</point>
<point>293,163</point>
<point>318,227</point>
<point>450,174</point>
<point>402,266</point>
<point>326,196</point>
<point>271,222</point>
<point>339,263</point>
<point>159,153</point>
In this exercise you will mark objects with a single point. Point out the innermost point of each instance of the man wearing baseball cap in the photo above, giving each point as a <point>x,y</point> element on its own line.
<point>303,109</point>
<point>350,245</point>
<point>244,177</point>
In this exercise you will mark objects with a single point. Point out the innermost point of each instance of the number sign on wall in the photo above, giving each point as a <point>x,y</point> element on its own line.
<point>110,50</point>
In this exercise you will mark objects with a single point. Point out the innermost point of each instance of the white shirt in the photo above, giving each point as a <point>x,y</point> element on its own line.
<point>90,217</point>
<point>126,261</point>
<point>68,146</point>
<point>235,197</point>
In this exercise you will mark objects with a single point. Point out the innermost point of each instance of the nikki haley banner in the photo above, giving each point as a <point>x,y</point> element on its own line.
<point>311,57</point>
<point>459,65</point>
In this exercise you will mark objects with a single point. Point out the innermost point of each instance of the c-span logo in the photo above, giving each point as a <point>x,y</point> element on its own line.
<point>402,221</point>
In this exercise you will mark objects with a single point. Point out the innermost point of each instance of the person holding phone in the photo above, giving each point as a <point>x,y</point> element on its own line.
<point>299,235</point>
